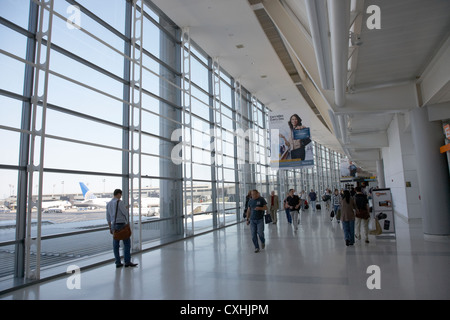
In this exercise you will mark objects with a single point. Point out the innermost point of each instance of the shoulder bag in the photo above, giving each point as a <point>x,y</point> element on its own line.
<point>267,218</point>
<point>123,233</point>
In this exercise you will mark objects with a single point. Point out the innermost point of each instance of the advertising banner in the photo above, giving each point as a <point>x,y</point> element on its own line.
<point>347,169</point>
<point>383,210</point>
<point>291,145</point>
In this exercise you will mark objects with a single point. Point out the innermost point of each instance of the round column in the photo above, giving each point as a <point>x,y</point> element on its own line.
<point>432,172</point>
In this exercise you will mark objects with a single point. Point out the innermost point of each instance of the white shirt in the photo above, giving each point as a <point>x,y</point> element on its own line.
<point>122,212</point>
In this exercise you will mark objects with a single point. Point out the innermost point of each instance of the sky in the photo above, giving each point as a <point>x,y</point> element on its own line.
<point>68,155</point>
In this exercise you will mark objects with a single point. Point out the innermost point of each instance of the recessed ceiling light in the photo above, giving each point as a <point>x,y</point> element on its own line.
<point>239,46</point>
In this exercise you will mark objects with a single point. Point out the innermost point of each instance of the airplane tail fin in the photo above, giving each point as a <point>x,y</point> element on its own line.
<point>86,192</point>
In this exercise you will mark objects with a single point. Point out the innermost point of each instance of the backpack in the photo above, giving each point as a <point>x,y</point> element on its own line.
<point>361,201</point>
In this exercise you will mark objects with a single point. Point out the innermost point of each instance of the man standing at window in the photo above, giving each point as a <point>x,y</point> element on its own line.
<point>117,223</point>
<point>255,218</point>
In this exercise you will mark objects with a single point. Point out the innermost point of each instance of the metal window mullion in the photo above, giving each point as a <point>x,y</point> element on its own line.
<point>240,141</point>
<point>187,130</point>
<point>136,124</point>
<point>266,145</point>
<point>218,138</point>
<point>237,182</point>
<point>43,6</point>
<point>22,200</point>
<point>256,142</point>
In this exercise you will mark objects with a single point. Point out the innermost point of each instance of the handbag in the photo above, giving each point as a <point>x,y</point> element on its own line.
<point>377,230</point>
<point>123,233</point>
<point>267,218</point>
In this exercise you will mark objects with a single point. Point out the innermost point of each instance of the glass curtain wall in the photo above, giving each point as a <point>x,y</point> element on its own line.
<point>106,94</point>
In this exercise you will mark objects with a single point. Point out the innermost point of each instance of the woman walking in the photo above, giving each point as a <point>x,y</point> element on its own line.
<point>348,208</point>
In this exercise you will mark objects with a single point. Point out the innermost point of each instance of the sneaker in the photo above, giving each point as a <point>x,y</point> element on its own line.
<point>256,250</point>
<point>367,240</point>
<point>131,264</point>
<point>120,265</point>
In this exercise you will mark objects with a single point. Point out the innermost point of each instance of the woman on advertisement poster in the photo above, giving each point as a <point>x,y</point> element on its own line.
<point>298,138</point>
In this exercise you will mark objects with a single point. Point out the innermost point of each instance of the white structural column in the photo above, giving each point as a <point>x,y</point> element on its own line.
<point>432,172</point>
<point>380,174</point>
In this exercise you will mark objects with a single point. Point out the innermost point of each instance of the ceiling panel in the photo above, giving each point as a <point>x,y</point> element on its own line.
<point>411,30</point>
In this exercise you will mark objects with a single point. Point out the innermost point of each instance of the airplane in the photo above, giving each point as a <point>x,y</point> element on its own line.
<point>90,199</point>
<point>147,202</point>
<point>56,204</point>
<point>152,205</point>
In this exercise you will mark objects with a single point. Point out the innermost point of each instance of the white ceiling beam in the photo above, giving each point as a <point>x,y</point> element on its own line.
<point>299,41</point>
<point>440,111</point>
<point>364,155</point>
<point>318,23</point>
<point>434,82</point>
<point>339,16</point>
<point>382,100</point>
<point>369,140</point>
<point>319,101</point>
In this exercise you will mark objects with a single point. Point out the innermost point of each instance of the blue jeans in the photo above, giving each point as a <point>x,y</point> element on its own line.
<point>349,230</point>
<point>288,215</point>
<point>126,246</point>
<point>257,229</point>
<point>335,209</point>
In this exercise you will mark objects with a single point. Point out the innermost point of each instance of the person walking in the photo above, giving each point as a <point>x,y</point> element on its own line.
<point>255,218</point>
<point>303,201</point>
<point>294,203</point>
<point>273,207</point>
<point>117,218</point>
<point>362,214</point>
<point>336,202</point>
<point>287,210</point>
<point>348,208</point>
<point>327,199</point>
<point>247,199</point>
<point>312,199</point>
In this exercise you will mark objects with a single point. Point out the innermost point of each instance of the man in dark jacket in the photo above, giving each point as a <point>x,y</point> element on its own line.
<point>255,218</point>
<point>293,201</point>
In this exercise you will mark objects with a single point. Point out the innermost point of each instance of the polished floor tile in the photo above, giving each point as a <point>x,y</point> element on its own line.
<point>310,263</point>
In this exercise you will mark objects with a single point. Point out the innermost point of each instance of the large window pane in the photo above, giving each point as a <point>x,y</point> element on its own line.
<point>75,156</point>
<point>16,11</point>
